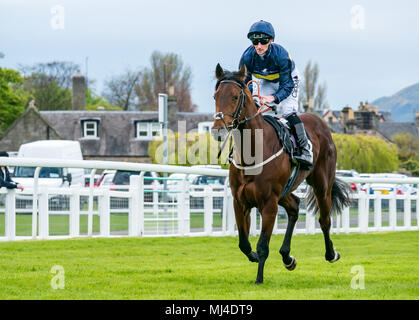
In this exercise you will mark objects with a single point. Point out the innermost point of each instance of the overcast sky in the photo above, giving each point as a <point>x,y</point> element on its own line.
<point>365,49</point>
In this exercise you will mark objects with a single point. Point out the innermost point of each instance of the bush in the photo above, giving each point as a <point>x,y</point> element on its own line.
<point>365,154</point>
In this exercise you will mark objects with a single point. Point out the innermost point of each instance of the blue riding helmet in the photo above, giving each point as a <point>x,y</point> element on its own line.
<point>262,27</point>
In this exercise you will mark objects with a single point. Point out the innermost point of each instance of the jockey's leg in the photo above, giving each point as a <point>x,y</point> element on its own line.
<point>305,155</point>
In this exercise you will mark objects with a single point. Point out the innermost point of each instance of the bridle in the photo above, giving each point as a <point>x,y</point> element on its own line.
<point>236,123</point>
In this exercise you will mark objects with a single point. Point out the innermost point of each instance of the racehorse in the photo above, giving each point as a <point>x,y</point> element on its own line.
<point>236,110</point>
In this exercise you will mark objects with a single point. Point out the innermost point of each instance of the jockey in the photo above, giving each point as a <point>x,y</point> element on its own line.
<point>271,66</point>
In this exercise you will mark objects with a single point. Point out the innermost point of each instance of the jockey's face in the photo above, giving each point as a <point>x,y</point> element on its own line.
<point>262,48</point>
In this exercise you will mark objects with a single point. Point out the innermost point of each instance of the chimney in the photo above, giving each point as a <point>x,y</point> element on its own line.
<point>78,100</point>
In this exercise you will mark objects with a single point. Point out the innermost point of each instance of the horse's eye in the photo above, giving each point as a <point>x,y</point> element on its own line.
<point>235,98</point>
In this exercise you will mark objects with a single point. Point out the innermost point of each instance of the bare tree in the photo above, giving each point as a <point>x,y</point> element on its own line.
<point>58,71</point>
<point>167,70</point>
<point>120,89</point>
<point>49,84</point>
<point>312,94</point>
<point>320,100</point>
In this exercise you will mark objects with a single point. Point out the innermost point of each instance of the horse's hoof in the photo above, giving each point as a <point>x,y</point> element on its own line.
<point>292,265</point>
<point>336,258</point>
<point>253,257</point>
<point>257,282</point>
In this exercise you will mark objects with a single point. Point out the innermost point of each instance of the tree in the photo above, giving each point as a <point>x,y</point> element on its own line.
<point>407,151</point>
<point>49,84</point>
<point>365,154</point>
<point>11,103</point>
<point>120,90</point>
<point>167,71</point>
<point>94,102</point>
<point>311,92</point>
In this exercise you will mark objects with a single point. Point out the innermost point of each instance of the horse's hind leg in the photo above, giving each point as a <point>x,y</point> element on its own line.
<point>324,202</point>
<point>291,205</point>
<point>243,226</point>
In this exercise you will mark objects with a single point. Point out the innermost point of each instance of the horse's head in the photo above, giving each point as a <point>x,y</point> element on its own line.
<point>229,100</point>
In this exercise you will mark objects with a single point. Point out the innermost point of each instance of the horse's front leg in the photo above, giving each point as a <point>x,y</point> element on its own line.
<point>243,226</point>
<point>268,214</point>
<point>291,205</point>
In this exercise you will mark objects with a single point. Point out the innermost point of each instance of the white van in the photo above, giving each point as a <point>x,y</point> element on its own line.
<point>50,177</point>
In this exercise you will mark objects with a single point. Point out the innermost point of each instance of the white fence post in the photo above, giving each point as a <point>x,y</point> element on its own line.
<point>104,207</point>
<point>182,199</point>
<point>141,227</point>
<point>377,211</point>
<point>310,222</point>
<point>231,219</point>
<point>208,210</point>
<point>75,212</point>
<point>346,220</point>
<point>10,215</point>
<point>393,211</point>
<point>407,212</point>
<point>90,212</point>
<point>134,210</point>
<point>253,222</point>
<point>43,213</point>
<point>363,213</point>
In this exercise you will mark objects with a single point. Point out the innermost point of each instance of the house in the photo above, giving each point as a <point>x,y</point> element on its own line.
<point>103,135</point>
<point>369,121</point>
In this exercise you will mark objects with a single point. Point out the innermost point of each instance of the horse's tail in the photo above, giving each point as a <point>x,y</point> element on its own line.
<point>340,197</point>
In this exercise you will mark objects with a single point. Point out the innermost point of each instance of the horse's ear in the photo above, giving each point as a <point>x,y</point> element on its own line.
<point>242,72</point>
<point>219,72</point>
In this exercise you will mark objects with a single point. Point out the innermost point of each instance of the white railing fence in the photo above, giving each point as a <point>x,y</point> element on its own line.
<point>182,209</point>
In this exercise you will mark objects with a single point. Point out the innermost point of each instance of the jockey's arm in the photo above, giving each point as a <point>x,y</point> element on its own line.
<point>286,83</point>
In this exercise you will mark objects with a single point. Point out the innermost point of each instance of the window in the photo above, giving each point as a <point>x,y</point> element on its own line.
<point>90,128</point>
<point>147,130</point>
<point>155,130</point>
<point>204,127</point>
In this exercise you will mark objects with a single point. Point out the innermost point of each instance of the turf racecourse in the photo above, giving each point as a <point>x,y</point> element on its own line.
<point>209,268</point>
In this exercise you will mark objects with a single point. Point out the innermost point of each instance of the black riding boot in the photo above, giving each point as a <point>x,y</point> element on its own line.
<point>305,154</point>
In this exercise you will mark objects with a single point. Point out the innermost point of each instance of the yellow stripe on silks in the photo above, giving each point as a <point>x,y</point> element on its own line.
<point>267,77</point>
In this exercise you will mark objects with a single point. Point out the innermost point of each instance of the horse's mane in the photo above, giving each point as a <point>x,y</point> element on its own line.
<point>229,75</point>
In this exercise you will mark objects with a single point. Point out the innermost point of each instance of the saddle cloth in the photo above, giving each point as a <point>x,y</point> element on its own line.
<point>288,141</point>
<point>284,134</point>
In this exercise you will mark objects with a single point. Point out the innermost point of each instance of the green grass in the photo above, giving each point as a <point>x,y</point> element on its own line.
<point>209,268</point>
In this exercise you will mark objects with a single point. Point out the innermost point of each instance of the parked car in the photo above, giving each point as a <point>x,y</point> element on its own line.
<point>96,179</point>
<point>174,186</point>
<point>349,173</point>
<point>108,175</point>
<point>213,181</point>
<point>49,177</point>
<point>387,188</point>
<point>106,180</point>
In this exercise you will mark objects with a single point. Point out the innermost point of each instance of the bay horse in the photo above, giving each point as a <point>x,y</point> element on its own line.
<point>236,110</point>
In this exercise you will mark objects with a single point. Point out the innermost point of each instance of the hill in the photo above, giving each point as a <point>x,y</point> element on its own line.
<point>403,105</point>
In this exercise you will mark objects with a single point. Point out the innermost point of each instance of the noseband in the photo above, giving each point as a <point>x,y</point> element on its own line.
<point>237,114</point>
